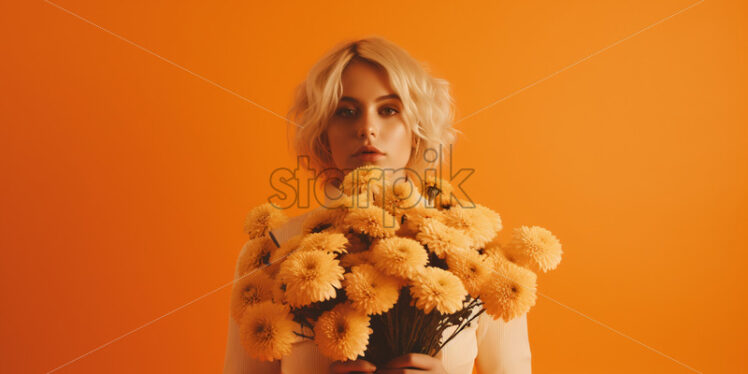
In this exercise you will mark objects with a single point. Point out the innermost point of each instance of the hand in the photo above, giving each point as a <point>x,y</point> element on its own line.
<point>358,366</point>
<point>413,363</point>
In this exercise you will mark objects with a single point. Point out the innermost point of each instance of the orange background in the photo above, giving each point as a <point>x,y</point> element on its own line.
<point>126,179</point>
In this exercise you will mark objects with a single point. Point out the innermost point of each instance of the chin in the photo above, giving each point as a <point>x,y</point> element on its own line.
<point>382,164</point>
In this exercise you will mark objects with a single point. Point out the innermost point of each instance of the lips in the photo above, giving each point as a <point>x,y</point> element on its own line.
<point>368,149</point>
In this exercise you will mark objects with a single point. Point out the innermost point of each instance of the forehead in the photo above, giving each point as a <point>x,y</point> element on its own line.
<point>365,82</point>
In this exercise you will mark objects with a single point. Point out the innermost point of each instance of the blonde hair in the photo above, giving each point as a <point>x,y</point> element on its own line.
<point>428,107</point>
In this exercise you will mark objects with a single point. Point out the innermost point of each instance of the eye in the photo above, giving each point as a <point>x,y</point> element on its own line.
<point>390,110</point>
<point>345,112</point>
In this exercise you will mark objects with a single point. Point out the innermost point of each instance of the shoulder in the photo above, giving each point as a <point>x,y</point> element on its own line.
<point>292,227</point>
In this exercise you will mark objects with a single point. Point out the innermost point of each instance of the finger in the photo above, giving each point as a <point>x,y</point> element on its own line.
<point>352,366</point>
<point>412,360</point>
<point>362,365</point>
<point>400,371</point>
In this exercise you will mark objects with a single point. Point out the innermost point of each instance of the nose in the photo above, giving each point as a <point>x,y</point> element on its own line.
<point>366,130</point>
<point>367,127</point>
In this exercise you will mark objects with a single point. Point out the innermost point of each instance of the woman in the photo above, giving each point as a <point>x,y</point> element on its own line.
<point>370,102</point>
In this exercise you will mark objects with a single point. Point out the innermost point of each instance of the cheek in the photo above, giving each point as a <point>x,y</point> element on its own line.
<point>336,140</point>
<point>401,139</point>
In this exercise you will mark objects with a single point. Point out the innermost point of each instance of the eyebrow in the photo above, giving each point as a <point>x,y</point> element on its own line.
<point>385,97</point>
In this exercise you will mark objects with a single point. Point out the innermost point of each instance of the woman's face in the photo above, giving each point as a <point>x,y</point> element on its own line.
<point>368,114</point>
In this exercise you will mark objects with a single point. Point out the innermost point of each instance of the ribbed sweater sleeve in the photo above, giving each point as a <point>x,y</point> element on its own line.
<point>503,347</point>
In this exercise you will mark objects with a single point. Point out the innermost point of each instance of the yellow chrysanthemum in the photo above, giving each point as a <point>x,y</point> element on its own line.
<point>263,218</point>
<point>342,333</point>
<point>372,221</point>
<point>493,217</point>
<point>496,257</point>
<point>279,291</point>
<point>510,292</point>
<point>331,242</point>
<point>399,257</point>
<point>438,288</point>
<point>254,253</point>
<point>266,331</point>
<point>323,219</point>
<point>535,248</point>
<point>412,219</point>
<point>310,276</point>
<point>472,270</point>
<point>438,192</point>
<point>346,203</point>
<point>494,253</point>
<point>493,244</point>
<point>363,178</point>
<point>353,259</point>
<point>479,223</point>
<point>249,289</point>
<point>396,198</point>
<point>442,239</point>
<point>370,291</point>
<point>277,255</point>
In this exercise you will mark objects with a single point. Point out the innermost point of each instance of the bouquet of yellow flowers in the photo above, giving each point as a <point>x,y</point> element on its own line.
<point>383,272</point>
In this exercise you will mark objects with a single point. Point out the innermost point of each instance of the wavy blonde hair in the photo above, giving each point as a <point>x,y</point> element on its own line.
<point>428,108</point>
